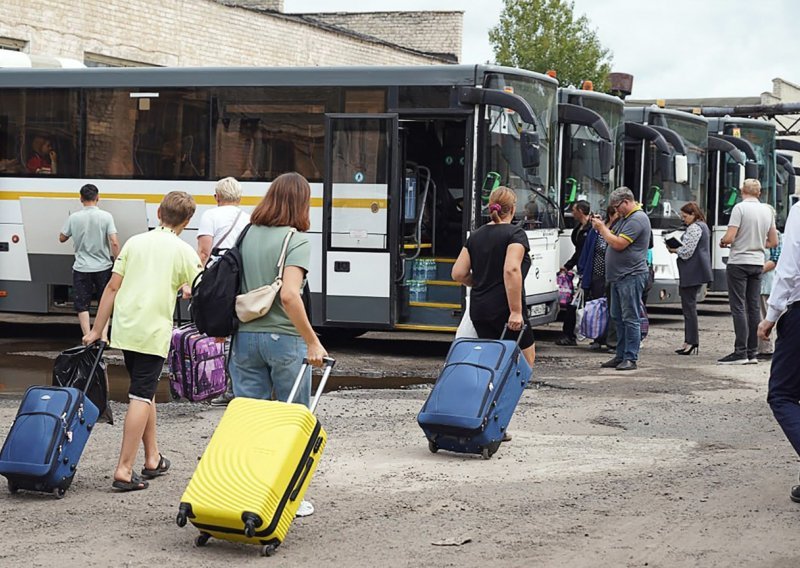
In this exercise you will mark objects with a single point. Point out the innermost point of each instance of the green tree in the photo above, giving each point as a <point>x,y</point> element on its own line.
<point>539,35</point>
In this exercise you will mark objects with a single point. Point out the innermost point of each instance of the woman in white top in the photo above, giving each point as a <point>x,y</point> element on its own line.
<point>220,227</point>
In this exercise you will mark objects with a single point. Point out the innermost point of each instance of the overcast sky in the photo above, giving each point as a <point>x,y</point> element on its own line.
<point>673,48</point>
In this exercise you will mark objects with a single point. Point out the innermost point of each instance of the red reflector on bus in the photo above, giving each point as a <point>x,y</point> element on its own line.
<point>3,294</point>
<point>15,239</point>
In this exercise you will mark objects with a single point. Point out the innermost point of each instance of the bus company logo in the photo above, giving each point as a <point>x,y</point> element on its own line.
<point>536,272</point>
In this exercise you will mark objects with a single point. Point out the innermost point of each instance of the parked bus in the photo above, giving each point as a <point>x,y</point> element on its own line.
<point>591,136</point>
<point>756,140</point>
<point>665,167</point>
<point>400,160</point>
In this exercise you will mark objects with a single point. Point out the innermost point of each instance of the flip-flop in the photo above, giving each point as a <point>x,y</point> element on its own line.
<point>161,469</point>
<point>135,484</point>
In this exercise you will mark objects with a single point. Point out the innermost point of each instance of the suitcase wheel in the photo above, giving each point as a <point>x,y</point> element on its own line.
<point>201,539</point>
<point>486,454</point>
<point>60,492</point>
<point>432,446</point>
<point>12,487</point>
<point>268,550</point>
<point>181,519</point>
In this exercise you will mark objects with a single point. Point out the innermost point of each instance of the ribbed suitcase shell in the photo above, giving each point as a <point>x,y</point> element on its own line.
<point>259,461</point>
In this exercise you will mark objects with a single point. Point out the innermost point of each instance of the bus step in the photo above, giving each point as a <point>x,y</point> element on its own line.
<point>433,313</point>
<point>443,292</point>
<point>444,266</point>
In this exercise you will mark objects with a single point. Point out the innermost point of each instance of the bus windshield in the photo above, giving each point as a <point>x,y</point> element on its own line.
<point>763,141</point>
<point>729,194</point>
<point>665,197</point>
<point>583,176</point>
<point>502,162</point>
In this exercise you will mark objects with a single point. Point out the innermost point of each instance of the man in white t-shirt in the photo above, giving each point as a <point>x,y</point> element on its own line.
<point>751,230</point>
<point>220,227</point>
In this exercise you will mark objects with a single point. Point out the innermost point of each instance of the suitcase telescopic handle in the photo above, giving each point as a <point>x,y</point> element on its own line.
<point>519,337</point>
<point>327,367</point>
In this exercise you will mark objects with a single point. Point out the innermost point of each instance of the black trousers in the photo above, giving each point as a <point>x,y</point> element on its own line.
<point>691,333</point>
<point>784,377</point>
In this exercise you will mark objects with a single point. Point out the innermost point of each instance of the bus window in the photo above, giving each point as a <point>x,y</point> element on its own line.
<point>151,135</point>
<point>12,157</point>
<point>39,132</point>
<point>367,101</point>
<point>261,133</point>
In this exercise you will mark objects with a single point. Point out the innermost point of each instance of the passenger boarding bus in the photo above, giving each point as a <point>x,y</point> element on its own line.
<point>756,140</point>
<point>400,160</point>
<point>664,178</point>
<point>591,136</point>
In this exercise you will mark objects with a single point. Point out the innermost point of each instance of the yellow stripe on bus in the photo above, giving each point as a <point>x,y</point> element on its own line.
<point>338,202</point>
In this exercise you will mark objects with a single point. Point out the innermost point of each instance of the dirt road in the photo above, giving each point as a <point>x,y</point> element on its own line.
<point>677,464</point>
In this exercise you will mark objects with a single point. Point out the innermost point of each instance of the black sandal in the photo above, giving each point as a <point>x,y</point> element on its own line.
<point>135,484</point>
<point>161,469</point>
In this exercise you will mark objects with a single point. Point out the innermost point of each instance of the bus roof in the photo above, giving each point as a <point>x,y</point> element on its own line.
<point>642,114</point>
<point>565,92</point>
<point>150,77</point>
<point>715,123</point>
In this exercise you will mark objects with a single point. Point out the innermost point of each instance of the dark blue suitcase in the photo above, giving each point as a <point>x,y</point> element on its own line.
<point>47,437</point>
<point>474,397</point>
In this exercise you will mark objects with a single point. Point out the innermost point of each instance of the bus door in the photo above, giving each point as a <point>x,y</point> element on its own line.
<point>359,234</point>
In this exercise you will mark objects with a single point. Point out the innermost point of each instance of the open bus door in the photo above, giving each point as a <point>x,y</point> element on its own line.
<point>359,233</point>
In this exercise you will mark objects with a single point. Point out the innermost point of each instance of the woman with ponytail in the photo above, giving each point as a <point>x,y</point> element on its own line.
<point>494,263</point>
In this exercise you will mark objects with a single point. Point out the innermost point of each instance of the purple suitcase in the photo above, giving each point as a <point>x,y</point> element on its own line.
<point>197,365</point>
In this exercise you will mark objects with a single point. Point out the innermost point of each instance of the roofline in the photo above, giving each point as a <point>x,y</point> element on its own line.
<point>304,20</point>
<point>653,109</point>
<point>159,77</point>
<point>404,12</point>
<point>592,95</point>
<point>744,120</point>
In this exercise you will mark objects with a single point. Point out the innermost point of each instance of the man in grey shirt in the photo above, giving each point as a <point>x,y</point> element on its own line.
<point>95,240</point>
<point>751,231</point>
<point>627,273</point>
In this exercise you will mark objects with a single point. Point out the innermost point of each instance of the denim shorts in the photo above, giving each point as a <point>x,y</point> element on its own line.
<point>265,365</point>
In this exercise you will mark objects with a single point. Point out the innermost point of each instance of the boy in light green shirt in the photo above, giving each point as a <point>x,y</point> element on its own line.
<point>149,271</point>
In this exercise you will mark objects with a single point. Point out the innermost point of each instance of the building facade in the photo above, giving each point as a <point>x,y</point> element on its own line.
<point>198,33</point>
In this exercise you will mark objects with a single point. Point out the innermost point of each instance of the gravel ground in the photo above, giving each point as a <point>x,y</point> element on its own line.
<point>677,464</point>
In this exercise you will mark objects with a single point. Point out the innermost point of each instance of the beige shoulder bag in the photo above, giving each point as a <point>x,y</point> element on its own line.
<point>256,303</point>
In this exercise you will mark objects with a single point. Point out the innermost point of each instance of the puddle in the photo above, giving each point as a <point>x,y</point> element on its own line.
<point>18,372</point>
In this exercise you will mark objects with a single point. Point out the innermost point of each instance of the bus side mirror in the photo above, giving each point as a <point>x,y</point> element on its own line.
<point>529,149</point>
<point>606,151</point>
<point>681,169</point>
<point>751,170</point>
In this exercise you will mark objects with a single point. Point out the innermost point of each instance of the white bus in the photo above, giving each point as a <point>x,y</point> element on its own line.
<point>755,139</point>
<point>399,159</point>
<point>664,179</point>
<point>591,136</point>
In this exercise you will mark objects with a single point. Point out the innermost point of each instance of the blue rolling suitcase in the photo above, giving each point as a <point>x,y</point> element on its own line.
<point>475,395</point>
<point>47,437</point>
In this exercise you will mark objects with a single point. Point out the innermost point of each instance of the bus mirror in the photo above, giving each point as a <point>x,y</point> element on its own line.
<point>681,169</point>
<point>529,149</point>
<point>751,170</point>
<point>606,150</point>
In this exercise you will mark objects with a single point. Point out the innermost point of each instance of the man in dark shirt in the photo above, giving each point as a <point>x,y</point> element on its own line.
<point>627,273</point>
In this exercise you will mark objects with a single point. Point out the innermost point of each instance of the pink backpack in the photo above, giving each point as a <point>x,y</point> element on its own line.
<point>566,288</point>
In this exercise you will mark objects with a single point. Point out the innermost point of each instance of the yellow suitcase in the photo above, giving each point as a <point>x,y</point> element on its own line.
<point>255,470</point>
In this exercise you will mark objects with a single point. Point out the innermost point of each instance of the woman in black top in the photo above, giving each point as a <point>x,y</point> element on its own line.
<point>494,263</point>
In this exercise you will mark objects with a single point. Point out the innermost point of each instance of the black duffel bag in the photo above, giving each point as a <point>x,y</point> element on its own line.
<point>72,368</point>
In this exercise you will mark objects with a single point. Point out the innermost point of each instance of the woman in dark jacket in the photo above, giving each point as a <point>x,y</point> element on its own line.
<point>694,268</point>
<point>581,212</point>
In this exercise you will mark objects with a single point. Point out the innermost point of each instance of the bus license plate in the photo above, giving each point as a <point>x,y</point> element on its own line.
<point>537,310</point>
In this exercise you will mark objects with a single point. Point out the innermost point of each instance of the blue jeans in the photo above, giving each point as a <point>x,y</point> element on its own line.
<point>626,301</point>
<point>264,363</point>
<point>784,377</point>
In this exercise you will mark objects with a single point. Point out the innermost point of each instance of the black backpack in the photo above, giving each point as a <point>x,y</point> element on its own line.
<point>214,292</point>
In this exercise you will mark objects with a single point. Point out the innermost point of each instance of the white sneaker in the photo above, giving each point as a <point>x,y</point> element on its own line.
<point>752,361</point>
<point>305,509</point>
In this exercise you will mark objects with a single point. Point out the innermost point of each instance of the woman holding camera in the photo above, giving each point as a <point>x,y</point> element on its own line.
<point>694,268</point>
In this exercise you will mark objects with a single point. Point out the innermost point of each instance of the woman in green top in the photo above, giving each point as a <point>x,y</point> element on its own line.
<point>267,353</point>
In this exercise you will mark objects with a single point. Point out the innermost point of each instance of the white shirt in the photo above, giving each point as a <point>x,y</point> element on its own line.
<point>786,286</point>
<point>216,222</point>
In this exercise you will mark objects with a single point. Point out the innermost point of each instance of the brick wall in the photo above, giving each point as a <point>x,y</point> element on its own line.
<point>429,32</point>
<point>189,33</point>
